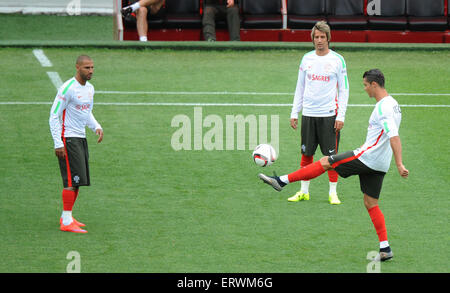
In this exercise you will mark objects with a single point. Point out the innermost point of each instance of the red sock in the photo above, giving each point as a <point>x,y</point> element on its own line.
<point>306,160</point>
<point>378,222</point>
<point>332,175</point>
<point>306,173</point>
<point>68,197</point>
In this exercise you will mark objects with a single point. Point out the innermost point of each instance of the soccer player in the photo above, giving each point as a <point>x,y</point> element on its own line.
<point>321,95</point>
<point>370,161</point>
<point>71,112</point>
<point>142,8</point>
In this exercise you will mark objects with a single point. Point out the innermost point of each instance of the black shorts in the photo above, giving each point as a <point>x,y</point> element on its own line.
<point>347,164</point>
<point>75,166</point>
<point>319,131</point>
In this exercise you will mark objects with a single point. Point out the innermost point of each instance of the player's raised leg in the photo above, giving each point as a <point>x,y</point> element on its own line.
<point>309,172</point>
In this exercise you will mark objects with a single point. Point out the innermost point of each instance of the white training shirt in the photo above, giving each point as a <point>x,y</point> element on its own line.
<point>322,86</point>
<point>71,111</point>
<point>384,123</point>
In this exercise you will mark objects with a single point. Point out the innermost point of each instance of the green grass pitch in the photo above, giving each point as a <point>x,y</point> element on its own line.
<point>153,209</point>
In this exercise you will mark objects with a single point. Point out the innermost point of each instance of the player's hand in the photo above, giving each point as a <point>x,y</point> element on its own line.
<point>99,132</point>
<point>294,123</point>
<point>338,125</point>
<point>403,171</point>
<point>60,153</point>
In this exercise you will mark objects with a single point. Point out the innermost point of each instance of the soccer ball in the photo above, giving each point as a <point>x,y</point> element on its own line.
<point>264,155</point>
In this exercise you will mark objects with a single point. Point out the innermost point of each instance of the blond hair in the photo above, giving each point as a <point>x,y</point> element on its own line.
<point>323,27</point>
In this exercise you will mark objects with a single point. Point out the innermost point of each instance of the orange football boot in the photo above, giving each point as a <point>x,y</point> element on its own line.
<point>79,224</point>
<point>72,228</point>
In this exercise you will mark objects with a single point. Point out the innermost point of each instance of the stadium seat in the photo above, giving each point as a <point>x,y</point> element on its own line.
<point>183,14</point>
<point>346,14</point>
<point>392,16</point>
<point>426,15</point>
<point>303,14</point>
<point>262,14</point>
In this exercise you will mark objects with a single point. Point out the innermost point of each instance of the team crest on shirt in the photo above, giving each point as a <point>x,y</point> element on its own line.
<point>328,67</point>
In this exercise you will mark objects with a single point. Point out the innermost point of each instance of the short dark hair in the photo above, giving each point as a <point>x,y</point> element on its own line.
<point>374,75</point>
<point>83,58</point>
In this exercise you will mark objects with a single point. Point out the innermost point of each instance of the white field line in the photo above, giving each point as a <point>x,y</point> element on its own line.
<point>40,56</point>
<point>211,104</point>
<point>55,78</point>
<point>45,62</point>
<point>236,93</point>
<point>189,93</point>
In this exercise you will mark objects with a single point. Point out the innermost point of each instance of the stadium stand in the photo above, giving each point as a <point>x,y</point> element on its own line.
<point>183,14</point>
<point>426,15</point>
<point>392,16</point>
<point>346,14</point>
<point>303,14</point>
<point>261,14</point>
<point>387,21</point>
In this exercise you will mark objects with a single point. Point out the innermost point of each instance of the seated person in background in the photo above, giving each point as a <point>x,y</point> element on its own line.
<point>142,7</point>
<point>221,8</point>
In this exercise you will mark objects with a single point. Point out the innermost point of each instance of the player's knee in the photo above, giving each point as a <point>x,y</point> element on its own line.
<point>370,202</point>
<point>142,11</point>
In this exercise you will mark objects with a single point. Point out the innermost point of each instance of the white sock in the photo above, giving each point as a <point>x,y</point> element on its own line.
<point>305,186</point>
<point>284,179</point>
<point>135,6</point>
<point>67,217</point>
<point>384,244</point>
<point>143,39</point>
<point>333,186</point>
